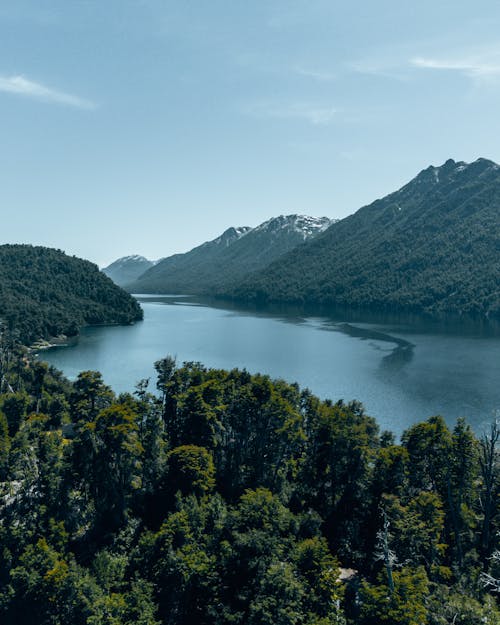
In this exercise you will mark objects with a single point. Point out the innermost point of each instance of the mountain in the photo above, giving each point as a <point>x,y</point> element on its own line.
<point>44,293</point>
<point>127,269</point>
<point>229,258</point>
<point>432,247</point>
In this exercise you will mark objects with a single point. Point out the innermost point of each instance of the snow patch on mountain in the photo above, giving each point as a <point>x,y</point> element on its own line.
<point>303,224</point>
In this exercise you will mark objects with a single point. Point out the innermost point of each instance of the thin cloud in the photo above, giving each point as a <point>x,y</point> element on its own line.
<point>381,68</point>
<point>319,75</point>
<point>470,68</point>
<point>19,85</point>
<point>317,115</point>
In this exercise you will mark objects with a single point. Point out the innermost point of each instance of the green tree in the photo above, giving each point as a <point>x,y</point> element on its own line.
<point>14,406</point>
<point>109,454</point>
<point>404,606</point>
<point>190,469</point>
<point>90,395</point>
<point>4,446</point>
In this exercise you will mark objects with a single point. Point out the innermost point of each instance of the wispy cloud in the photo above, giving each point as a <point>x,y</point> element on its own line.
<point>19,85</point>
<point>382,68</point>
<point>317,115</point>
<point>315,74</point>
<point>473,68</point>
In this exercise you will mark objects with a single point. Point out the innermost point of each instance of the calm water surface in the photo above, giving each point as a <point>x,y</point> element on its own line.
<point>401,373</point>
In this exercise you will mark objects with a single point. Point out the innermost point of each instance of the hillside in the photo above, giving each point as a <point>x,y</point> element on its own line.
<point>229,258</point>
<point>45,293</point>
<point>127,269</point>
<point>432,247</point>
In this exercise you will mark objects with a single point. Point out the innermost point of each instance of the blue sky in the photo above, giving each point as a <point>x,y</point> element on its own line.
<point>151,126</point>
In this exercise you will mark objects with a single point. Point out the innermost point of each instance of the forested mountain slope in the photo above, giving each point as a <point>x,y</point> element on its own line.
<point>433,246</point>
<point>44,292</point>
<point>230,257</point>
<point>127,269</point>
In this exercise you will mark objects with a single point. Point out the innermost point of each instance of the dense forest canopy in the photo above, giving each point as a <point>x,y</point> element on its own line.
<point>431,247</point>
<point>44,293</point>
<point>230,498</point>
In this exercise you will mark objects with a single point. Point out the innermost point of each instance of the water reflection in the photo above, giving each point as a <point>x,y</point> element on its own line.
<point>402,373</point>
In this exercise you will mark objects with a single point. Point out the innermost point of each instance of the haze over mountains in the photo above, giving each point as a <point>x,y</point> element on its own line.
<point>226,260</point>
<point>127,269</point>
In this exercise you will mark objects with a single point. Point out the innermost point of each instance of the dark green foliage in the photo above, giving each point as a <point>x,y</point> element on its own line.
<point>45,293</point>
<point>13,406</point>
<point>430,247</point>
<point>234,499</point>
<point>4,446</point>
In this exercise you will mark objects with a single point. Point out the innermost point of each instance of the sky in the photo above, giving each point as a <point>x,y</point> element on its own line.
<point>151,126</point>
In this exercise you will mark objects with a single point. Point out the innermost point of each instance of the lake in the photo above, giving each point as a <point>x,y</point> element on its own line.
<point>402,372</point>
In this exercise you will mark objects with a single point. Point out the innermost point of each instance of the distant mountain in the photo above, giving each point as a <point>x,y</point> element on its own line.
<point>433,247</point>
<point>127,269</point>
<point>229,258</point>
<point>44,293</point>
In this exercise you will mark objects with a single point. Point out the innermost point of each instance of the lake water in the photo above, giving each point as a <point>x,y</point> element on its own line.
<point>402,373</point>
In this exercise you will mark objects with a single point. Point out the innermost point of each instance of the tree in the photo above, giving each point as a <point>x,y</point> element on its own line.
<point>190,470</point>
<point>336,472</point>
<point>4,447</point>
<point>90,395</point>
<point>14,406</point>
<point>490,473</point>
<point>429,447</point>
<point>405,605</point>
<point>108,461</point>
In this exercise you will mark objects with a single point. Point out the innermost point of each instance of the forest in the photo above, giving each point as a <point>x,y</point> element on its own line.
<point>429,248</point>
<point>45,293</point>
<point>220,497</point>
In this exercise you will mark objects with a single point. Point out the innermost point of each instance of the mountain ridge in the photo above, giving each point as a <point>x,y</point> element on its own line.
<point>431,246</point>
<point>227,258</point>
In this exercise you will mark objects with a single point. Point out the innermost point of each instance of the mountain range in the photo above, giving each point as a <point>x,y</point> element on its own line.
<point>226,260</point>
<point>432,247</point>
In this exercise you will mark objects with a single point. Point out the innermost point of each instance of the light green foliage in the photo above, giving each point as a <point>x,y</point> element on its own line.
<point>190,469</point>
<point>113,451</point>
<point>417,529</point>
<point>405,606</point>
<point>135,607</point>
<point>451,607</point>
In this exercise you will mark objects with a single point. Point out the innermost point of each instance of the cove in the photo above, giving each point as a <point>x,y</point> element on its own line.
<point>401,372</point>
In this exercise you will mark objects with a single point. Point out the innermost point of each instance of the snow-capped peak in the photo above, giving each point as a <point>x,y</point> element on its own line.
<point>229,236</point>
<point>133,257</point>
<point>306,225</point>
